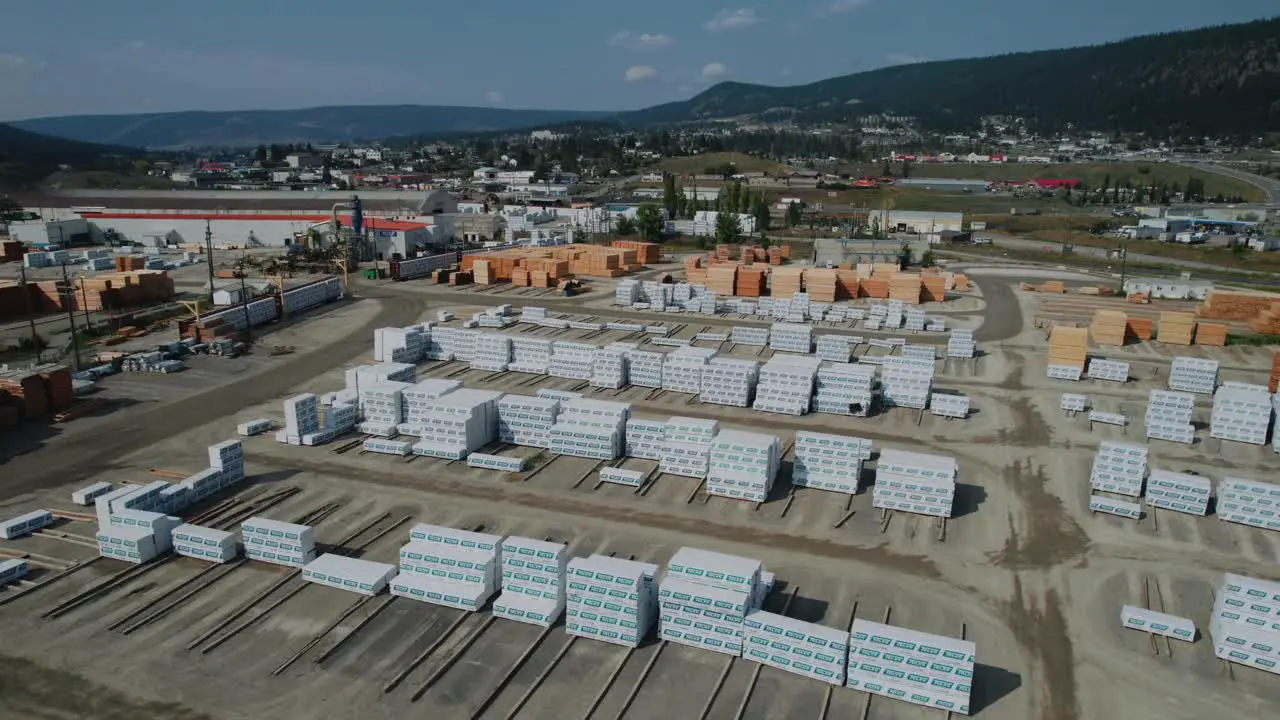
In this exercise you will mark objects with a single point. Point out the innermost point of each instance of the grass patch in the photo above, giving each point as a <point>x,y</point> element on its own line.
<point>700,164</point>
<point>1092,174</point>
<point>1252,339</point>
<point>105,179</point>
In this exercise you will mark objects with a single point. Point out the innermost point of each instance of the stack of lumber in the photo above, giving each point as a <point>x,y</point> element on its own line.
<point>1275,372</point>
<point>1053,286</point>
<point>104,291</point>
<point>127,263</point>
<point>564,261</point>
<point>1176,328</point>
<point>962,283</point>
<point>1212,334</point>
<point>1068,346</point>
<point>1268,321</point>
<point>934,288</point>
<point>723,252</point>
<point>721,279</point>
<point>865,270</point>
<point>751,282</point>
<point>647,253</point>
<point>461,278</point>
<point>786,252</point>
<point>820,284</point>
<point>1140,328</point>
<point>695,271</point>
<point>846,284</point>
<point>482,274</point>
<point>905,287</point>
<point>874,288</point>
<point>37,391</point>
<point>775,255</point>
<point>11,251</point>
<point>540,279</point>
<point>1229,305</point>
<point>786,281</point>
<point>520,277</point>
<point>1138,298</point>
<point>1108,327</point>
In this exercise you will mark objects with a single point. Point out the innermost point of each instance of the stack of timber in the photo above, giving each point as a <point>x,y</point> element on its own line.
<point>1108,327</point>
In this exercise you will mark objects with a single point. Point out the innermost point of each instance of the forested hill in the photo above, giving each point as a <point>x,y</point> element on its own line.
<point>1218,81</point>
<point>27,158</point>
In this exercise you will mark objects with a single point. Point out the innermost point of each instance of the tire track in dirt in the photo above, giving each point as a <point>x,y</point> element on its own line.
<point>1041,627</point>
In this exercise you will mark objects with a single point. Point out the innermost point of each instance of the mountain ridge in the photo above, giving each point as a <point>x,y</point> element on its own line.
<point>322,124</point>
<point>1220,80</point>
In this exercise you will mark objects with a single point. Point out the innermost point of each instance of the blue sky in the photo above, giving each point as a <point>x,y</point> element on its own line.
<point>65,57</point>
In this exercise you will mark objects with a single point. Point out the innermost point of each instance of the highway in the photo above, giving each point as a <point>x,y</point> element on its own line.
<point>1268,185</point>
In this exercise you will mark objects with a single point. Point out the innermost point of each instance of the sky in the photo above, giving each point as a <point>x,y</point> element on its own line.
<point>65,57</point>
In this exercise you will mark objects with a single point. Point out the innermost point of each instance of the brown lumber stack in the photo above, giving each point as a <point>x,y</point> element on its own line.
<point>873,288</point>
<point>935,288</point>
<point>1108,327</point>
<point>1275,372</point>
<point>1228,305</point>
<point>1053,286</point>
<point>482,273</point>
<point>775,255</point>
<point>820,284</point>
<point>751,282</point>
<point>720,279</point>
<point>1177,328</point>
<point>1068,346</point>
<point>905,287</point>
<point>1267,322</point>
<point>1212,334</point>
<point>520,277</point>
<point>846,284</point>
<point>786,281</point>
<point>962,283</point>
<point>1140,328</point>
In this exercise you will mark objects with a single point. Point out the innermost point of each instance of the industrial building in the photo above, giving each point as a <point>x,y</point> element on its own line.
<point>399,222</point>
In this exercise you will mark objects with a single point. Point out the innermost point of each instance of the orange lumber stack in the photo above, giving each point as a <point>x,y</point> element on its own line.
<point>1275,372</point>
<point>480,270</point>
<point>539,279</point>
<point>460,278</point>
<point>1108,327</point>
<point>1053,286</point>
<point>751,282</point>
<point>1268,321</point>
<point>520,277</point>
<point>1211,334</point>
<point>786,252</point>
<point>720,279</point>
<point>905,287</point>
<point>962,283</point>
<point>873,288</point>
<point>775,256</point>
<point>647,253</point>
<point>786,281</point>
<point>935,288</point>
<point>1140,328</point>
<point>1176,328</point>
<point>1228,305</point>
<point>1068,346</point>
<point>126,263</point>
<point>846,284</point>
<point>820,284</point>
<point>1138,298</point>
<point>885,270</point>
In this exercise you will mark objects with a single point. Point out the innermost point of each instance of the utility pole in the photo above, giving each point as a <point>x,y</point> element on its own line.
<point>244,302</point>
<point>68,295</point>
<point>208,255</point>
<point>84,296</point>
<point>31,313</point>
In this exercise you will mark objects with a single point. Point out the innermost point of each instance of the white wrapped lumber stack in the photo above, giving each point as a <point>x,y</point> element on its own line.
<point>930,670</point>
<point>1245,625</point>
<point>276,542</point>
<point>1241,413</point>
<point>610,369</point>
<point>1111,506</point>
<point>572,360</point>
<point>682,369</point>
<point>1249,502</point>
<point>806,649</point>
<point>704,598</point>
<point>785,385</point>
<point>1180,492</point>
<point>205,543</point>
<point>362,577</point>
<point>1194,375</point>
<point>493,352</point>
<point>743,465</point>
<point>1119,468</point>
<point>645,438</point>
<point>610,599</point>
<point>829,462</point>
<point>1172,626</point>
<point>791,337</point>
<point>729,382</point>
<point>530,355</point>
<point>533,581</point>
<point>844,389</point>
<point>527,421</point>
<point>906,381</point>
<point>444,566</point>
<point>915,482</point>
<point>645,368</point>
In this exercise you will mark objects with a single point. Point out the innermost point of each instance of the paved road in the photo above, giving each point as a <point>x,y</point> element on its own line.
<point>1269,186</point>
<point>1024,244</point>
<point>43,468</point>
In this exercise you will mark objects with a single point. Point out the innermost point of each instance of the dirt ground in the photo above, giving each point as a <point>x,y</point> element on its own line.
<point>1023,569</point>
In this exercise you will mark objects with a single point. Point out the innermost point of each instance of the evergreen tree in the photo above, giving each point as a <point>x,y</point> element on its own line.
<point>728,229</point>
<point>624,226</point>
<point>670,200</point>
<point>649,222</point>
<point>793,215</point>
<point>760,209</point>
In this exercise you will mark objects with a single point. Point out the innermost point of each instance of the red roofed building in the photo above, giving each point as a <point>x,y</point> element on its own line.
<point>1053,183</point>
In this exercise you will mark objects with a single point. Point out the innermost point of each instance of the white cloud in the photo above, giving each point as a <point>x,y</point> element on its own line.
<point>640,72</point>
<point>19,62</point>
<point>903,59</point>
<point>136,45</point>
<point>714,71</point>
<point>655,40</point>
<point>732,19</point>
<point>784,72</point>
<point>628,39</point>
<point>494,97</point>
